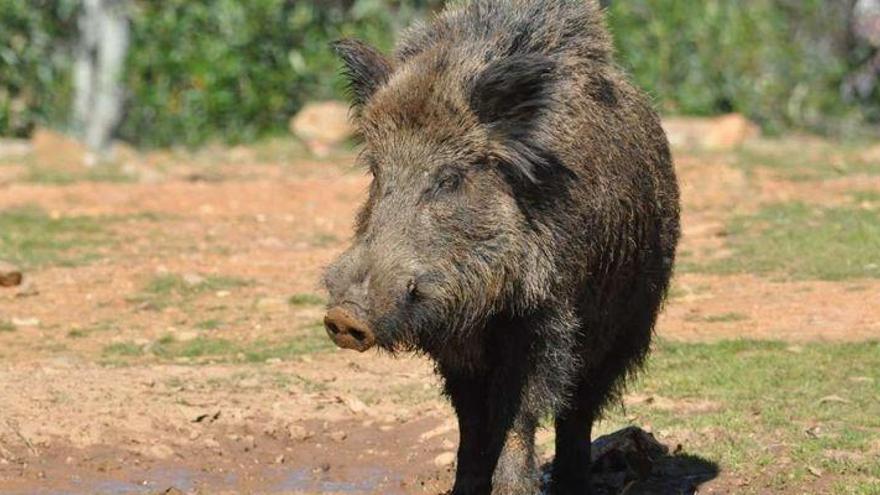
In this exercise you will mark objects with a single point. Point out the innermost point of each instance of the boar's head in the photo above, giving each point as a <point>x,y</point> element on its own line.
<point>443,241</point>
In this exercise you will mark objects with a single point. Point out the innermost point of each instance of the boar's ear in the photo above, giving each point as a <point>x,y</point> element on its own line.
<point>365,68</point>
<point>508,96</point>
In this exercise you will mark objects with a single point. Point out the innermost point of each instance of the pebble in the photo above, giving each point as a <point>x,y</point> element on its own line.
<point>10,275</point>
<point>445,459</point>
<point>338,436</point>
<point>298,433</point>
<point>26,322</point>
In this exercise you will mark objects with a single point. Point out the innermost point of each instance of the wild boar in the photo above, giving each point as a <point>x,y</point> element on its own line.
<point>520,227</point>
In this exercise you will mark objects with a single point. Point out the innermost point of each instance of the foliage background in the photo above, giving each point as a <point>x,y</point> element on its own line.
<point>235,71</point>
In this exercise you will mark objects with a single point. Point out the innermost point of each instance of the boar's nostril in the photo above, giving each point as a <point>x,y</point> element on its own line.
<point>332,327</point>
<point>347,331</point>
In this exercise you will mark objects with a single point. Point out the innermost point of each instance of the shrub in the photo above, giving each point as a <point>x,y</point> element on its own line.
<point>781,62</point>
<point>35,63</point>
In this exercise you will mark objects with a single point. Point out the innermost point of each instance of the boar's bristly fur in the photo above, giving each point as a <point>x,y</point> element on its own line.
<point>520,227</point>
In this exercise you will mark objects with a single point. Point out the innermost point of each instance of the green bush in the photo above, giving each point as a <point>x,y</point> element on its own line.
<point>34,63</point>
<point>233,71</point>
<point>781,62</point>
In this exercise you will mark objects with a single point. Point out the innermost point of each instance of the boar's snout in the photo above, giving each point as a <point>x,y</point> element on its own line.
<point>347,331</point>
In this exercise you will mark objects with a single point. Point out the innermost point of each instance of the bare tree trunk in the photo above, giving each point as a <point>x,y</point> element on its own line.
<point>866,28</point>
<point>100,59</point>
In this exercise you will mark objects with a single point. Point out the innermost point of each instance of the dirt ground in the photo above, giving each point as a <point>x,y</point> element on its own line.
<point>78,415</point>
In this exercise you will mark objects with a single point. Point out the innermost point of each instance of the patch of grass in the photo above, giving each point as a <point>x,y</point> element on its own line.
<point>771,402</point>
<point>200,347</point>
<point>720,318</point>
<point>168,289</point>
<point>124,349</point>
<point>262,351</point>
<point>6,326</point>
<point>305,299</point>
<point>796,161</point>
<point>99,173</point>
<point>210,324</point>
<point>311,339</point>
<point>32,238</point>
<point>803,242</point>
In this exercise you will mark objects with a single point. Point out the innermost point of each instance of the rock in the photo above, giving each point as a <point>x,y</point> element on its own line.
<point>354,404</point>
<point>161,451</point>
<point>338,436</point>
<point>193,279</point>
<point>445,459</point>
<point>186,335</point>
<point>27,289</point>
<point>722,133</point>
<point>632,451</point>
<point>10,275</point>
<point>26,322</point>
<point>322,126</point>
<point>298,433</point>
<point>279,459</point>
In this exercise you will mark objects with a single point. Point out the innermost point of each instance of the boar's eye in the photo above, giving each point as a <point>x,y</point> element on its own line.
<point>447,181</point>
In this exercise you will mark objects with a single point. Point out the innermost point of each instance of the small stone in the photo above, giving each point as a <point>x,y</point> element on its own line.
<point>186,336</point>
<point>10,275</point>
<point>354,404</point>
<point>222,293</point>
<point>322,125</point>
<point>161,451</point>
<point>26,322</point>
<point>211,443</point>
<point>338,436</point>
<point>445,459</point>
<point>279,459</point>
<point>27,289</point>
<point>298,433</point>
<point>193,279</point>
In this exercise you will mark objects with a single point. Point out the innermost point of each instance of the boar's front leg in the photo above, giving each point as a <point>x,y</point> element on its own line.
<point>534,365</point>
<point>474,467</point>
<point>515,472</point>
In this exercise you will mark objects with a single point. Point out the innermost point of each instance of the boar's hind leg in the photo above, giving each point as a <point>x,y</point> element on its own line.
<point>474,470</point>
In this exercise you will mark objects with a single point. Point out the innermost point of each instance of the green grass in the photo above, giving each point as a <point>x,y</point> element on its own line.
<point>797,161</point>
<point>100,173</point>
<point>32,238</point>
<point>305,299</point>
<point>805,402</point>
<point>210,324</point>
<point>123,349</point>
<point>166,290</point>
<point>6,326</point>
<point>800,241</point>
<point>720,318</point>
<point>309,340</point>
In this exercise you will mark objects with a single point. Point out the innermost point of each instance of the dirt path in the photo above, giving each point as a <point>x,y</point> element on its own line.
<point>209,254</point>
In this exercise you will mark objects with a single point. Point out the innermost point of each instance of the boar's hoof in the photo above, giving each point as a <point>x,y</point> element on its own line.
<point>348,332</point>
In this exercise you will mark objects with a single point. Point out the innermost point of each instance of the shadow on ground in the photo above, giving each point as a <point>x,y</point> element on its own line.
<point>632,461</point>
